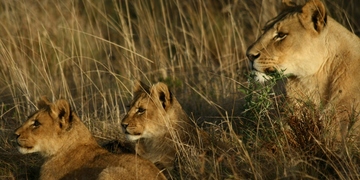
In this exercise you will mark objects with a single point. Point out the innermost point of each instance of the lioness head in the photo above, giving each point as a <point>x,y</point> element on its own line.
<point>291,42</point>
<point>149,112</point>
<point>42,131</point>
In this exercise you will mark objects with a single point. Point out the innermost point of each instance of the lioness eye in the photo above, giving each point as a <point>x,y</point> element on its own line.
<point>280,36</point>
<point>36,123</point>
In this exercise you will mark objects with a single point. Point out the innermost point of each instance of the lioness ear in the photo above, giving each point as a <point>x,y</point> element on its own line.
<point>61,109</point>
<point>313,15</point>
<point>162,92</point>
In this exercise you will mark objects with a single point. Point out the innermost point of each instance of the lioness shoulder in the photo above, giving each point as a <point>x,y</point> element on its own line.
<point>70,150</point>
<point>320,58</point>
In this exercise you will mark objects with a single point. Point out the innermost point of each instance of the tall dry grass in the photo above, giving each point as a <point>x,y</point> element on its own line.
<point>89,52</point>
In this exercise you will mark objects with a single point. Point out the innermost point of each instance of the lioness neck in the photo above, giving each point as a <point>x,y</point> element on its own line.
<point>340,41</point>
<point>334,70</point>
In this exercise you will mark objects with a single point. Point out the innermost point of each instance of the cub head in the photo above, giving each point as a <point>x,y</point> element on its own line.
<point>292,42</point>
<point>149,112</point>
<point>42,131</point>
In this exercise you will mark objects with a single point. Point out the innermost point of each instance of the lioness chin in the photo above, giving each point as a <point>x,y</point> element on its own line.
<point>70,150</point>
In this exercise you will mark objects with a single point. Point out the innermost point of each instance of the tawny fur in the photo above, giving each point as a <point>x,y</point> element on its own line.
<point>159,126</point>
<point>70,150</point>
<point>320,57</point>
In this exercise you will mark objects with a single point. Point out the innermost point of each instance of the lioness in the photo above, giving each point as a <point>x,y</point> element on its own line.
<point>71,152</point>
<point>159,125</point>
<point>319,56</point>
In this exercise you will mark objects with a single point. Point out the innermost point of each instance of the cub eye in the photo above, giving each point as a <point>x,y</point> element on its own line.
<point>36,124</point>
<point>280,36</point>
<point>140,110</point>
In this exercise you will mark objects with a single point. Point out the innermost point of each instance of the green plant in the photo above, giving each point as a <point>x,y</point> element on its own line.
<point>261,108</point>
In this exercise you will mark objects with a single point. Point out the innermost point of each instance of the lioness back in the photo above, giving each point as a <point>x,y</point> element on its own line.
<point>70,150</point>
<point>320,58</point>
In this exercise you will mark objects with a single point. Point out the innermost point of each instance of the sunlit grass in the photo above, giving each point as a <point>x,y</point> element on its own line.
<point>89,52</point>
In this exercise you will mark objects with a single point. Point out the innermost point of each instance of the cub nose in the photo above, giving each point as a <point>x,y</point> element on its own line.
<point>125,125</point>
<point>16,133</point>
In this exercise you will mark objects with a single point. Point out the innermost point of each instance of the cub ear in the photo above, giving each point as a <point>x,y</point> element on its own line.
<point>288,3</point>
<point>313,15</point>
<point>161,92</point>
<point>140,87</point>
<point>61,109</point>
<point>43,103</point>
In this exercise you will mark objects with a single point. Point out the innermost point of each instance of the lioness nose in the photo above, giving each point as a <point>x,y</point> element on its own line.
<point>252,56</point>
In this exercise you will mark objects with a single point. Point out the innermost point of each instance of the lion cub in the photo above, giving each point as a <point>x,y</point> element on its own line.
<point>71,151</point>
<point>160,128</point>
